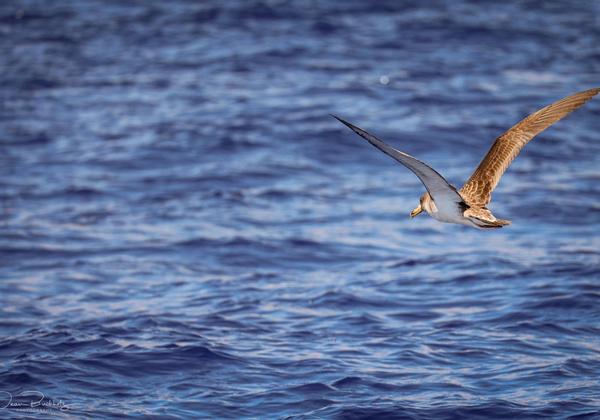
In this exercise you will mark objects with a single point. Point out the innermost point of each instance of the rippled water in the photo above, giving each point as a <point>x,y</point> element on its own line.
<point>186,232</point>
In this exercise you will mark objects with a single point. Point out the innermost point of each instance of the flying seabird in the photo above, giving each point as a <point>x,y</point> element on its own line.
<point>468,206</point>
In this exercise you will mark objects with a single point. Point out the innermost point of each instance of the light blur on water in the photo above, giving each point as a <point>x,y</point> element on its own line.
<point>187,233</point>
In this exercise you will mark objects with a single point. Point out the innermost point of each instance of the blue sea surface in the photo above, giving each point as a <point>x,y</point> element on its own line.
<point>185,232</point>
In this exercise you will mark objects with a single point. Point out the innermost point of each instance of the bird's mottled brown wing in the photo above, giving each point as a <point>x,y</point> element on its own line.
<point>477,191</point>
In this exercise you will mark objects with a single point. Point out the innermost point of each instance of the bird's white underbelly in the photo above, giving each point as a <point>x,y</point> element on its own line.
<point>449,212</point>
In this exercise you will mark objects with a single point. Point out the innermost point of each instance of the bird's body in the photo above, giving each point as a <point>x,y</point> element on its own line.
<point>447,212</point>
<point>468,206</point>
<point>460,213</point>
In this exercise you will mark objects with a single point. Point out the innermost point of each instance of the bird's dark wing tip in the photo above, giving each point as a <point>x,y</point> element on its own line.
<point>346,123</point>
<point>339,119</point>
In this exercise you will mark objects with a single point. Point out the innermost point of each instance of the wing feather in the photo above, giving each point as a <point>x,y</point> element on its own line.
<point>435,183</point>
<point>477,191</point>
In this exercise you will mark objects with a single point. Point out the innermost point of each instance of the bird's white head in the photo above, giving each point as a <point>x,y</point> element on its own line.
<point>425,203</point>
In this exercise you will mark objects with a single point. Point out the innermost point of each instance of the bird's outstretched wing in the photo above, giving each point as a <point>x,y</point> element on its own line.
<point>436,185</point>
<point>477,191</point>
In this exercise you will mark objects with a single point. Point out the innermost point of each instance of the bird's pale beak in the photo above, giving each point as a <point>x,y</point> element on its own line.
<point>416,211</point>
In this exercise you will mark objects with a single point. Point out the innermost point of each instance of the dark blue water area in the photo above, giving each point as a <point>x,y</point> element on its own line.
<point>185,232</point>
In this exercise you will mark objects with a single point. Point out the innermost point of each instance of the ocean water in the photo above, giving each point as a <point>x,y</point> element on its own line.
<point>185,232</point>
